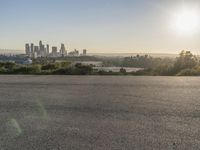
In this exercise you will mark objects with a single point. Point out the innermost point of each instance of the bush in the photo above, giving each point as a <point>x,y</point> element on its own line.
<point>34,69</point>
<point>2,70</point>
<point>163,70</point>
<point>50,66</point>
<point>188,72</point>
<point>82,69</point>
<point>64,71</point>
<point>7,67</point>
<point>65,64</point>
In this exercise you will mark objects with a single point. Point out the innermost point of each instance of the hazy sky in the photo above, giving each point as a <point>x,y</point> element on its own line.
<point>97,25</point>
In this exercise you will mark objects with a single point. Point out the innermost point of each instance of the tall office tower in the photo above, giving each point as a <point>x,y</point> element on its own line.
<point>40,43</point>
<point>62,50</point>
<point>47,49</point>
<point>54,51</point>
<point>40,46</point>
<point>27,49</point>
<point>84,52</point>
<point>36,50</point>
<point>35,55</point>
<point>42,51</point>
<point>32,49</point>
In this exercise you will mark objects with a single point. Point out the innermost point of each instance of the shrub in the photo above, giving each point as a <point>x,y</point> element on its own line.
<point>50,66</point>
<point>82,69</point>
<point>188,72</point>
<point>34,69</point>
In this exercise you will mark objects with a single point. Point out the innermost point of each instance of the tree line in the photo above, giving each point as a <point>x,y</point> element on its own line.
<point>45,69</point>
<point>186,64</point>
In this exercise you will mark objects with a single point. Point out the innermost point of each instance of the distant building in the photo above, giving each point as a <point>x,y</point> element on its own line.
<point>84,52</point>
<point>32,49</point>
<point>40,45</point>
<point>35,55</point>
<point>62,50</point>
<point>27,49</point>
<point>47,49</point>
<point>42,51</point>
<point>54,51</point>
<point>36,49</point>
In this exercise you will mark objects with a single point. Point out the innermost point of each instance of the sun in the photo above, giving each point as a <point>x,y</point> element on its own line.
<point>186,21</point>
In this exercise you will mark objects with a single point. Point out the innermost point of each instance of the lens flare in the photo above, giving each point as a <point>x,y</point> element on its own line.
<point>186,21</point>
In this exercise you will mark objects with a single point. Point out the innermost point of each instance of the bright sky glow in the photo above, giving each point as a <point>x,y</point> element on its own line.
<point>187,21</point>
<point>102,26</point>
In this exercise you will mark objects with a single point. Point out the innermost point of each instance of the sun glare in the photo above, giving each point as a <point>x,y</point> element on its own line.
<point>186,21</point>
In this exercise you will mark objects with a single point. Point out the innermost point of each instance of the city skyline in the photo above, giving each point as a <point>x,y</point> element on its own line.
<point>45,50</point>
<point>107,26</point>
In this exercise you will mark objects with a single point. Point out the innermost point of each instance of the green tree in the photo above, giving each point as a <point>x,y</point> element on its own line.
<point>83,69</point>
<point>65,64</point>
<point>52,66</point>
<point>186,60</point>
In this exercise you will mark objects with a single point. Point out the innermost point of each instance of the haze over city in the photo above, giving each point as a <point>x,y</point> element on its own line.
<point>106,26</point>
